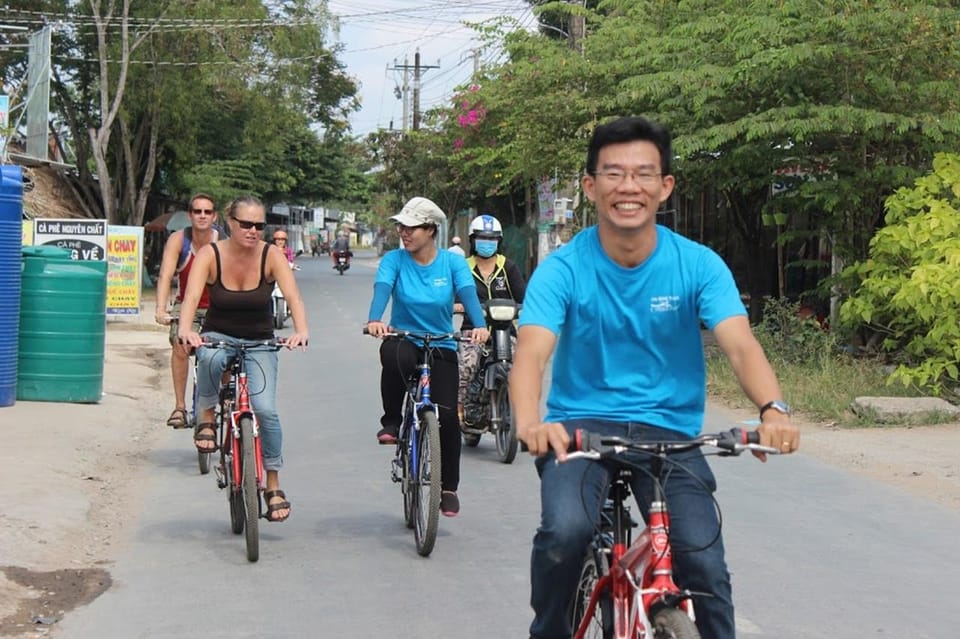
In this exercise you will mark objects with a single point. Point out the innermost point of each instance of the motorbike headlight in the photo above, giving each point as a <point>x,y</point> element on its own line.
<point>501,313</point>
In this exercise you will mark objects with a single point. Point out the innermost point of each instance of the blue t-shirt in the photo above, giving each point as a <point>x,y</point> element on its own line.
<point>629,346</point>
<point>422,298</point>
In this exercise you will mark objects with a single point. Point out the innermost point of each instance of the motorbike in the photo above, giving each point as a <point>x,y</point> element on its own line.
<point>280,309</point>
<point>342,261</point>
<point>486,407</point>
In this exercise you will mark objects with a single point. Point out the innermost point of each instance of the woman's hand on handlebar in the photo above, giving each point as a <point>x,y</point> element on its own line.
<point>542,437</point>
<point>189,340</point>
<point>297,339</point>
<point>377,328</point>
<point>479,335</point>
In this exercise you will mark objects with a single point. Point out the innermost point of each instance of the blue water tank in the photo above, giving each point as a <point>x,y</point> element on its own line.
<point>11,235</point>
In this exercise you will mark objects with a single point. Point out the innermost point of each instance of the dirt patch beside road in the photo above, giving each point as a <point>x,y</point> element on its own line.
<point>72,481</point>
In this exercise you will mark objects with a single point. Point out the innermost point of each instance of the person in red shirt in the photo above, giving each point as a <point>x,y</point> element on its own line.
<point>178,255</point>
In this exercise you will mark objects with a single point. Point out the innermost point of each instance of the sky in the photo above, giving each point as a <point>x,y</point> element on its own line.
<point>378,35</point>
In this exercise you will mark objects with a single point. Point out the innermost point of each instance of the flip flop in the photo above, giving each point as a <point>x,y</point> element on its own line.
<point>178,418</point>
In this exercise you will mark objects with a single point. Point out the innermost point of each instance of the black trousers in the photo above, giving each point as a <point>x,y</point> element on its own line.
<point>399,359</point>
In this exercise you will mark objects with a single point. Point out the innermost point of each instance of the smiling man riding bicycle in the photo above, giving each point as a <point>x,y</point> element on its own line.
<point>622,305</point>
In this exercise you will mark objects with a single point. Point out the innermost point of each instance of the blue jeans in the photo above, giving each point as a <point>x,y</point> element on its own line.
<point>261,368</point>
<point>572,496</point>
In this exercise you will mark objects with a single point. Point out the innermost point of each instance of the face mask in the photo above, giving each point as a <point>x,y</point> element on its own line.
<point>486,248</point>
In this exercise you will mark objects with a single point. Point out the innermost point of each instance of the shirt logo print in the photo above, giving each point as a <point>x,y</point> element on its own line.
<point>439,282</point>
<point>664,303</point>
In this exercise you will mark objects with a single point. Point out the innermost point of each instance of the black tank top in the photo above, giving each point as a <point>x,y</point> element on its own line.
<point>243,314</point>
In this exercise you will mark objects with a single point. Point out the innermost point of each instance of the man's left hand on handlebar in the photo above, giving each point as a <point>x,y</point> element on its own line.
<point>777,431</point>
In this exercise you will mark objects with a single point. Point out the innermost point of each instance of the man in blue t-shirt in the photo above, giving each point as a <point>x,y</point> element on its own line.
<point>619,309</point>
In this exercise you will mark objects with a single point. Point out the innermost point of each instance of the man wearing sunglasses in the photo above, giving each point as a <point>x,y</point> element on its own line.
<point>178,254</point>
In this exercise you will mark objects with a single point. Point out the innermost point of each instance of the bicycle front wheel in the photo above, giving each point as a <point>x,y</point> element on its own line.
<point>251,496</point>
<point>506,439</point>
<point>673,623</point>
<point>600,621</point>
<point>426,483</point>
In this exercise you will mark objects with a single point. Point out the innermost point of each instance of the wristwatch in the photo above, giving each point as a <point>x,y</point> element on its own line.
<point>777,405</point>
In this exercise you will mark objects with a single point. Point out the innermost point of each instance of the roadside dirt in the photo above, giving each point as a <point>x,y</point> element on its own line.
<point>71,480</point>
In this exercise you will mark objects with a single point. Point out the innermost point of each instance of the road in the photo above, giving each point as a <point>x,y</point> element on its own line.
<point>814,550</point>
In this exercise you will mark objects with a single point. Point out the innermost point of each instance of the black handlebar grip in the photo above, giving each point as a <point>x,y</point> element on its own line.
<point>751,437</point>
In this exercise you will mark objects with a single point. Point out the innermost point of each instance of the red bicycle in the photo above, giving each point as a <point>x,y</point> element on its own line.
<point>240,469</point>
<point>626,588</point>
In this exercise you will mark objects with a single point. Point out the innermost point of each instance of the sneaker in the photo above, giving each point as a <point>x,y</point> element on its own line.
<point>387,435</point>
<point>449,503</point>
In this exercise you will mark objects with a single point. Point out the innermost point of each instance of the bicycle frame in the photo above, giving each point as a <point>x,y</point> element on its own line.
<point>640,577</point>
<point>231,437</point>
<point>421,402</point>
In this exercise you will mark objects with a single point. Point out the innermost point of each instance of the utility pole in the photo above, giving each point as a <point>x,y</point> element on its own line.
<point>417,72</point>
<point>405,91</point>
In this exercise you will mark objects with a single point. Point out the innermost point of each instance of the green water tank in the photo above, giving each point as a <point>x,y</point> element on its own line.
<point>62,327</point>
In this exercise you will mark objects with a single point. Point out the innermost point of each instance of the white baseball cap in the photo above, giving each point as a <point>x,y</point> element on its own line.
<point>420,210</point>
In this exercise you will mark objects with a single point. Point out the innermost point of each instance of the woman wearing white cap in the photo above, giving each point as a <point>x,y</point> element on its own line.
<point>422,281</point>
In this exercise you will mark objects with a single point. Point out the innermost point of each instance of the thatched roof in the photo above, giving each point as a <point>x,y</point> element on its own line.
<point>47,194</point>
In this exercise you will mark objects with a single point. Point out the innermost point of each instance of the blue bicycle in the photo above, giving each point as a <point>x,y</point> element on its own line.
<point>416,463</point>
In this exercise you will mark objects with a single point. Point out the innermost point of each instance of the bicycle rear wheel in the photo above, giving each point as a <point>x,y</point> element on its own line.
<point>249,488</point>
<point>673,623</point>
<point>426,483</point>
<point>600,625</point>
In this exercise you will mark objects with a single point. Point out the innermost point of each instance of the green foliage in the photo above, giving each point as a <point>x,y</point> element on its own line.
<point>907,289</point>
<point>789,334</point>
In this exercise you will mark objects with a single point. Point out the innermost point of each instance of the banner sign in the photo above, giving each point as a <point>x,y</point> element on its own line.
<point>86,239</point>
<point>124,269</point>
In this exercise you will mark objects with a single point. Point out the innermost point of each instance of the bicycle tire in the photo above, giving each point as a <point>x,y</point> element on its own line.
<point>673,623</point>
<point>601,623</point>
<point>506,439</point>
<point>234,494</point>
<point>404,454</point>
<point>279,312</point>
<point>203,459</point>
<point>427,483</point>
<point>249,488</point>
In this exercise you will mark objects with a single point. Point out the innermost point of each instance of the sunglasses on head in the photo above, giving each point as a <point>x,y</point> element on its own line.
<point>247,224</point>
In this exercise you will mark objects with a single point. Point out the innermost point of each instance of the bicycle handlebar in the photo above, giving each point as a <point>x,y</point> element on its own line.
<point>587,445</point>
<point>429,337</point>
<point>274,343</point>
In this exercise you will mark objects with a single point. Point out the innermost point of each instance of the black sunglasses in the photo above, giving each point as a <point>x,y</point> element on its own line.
<point>247,224</point>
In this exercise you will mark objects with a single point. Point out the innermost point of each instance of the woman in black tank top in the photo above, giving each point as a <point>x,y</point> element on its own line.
<point>239,273</point>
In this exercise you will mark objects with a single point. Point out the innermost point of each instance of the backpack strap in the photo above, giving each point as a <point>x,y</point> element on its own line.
<point>185,247</point>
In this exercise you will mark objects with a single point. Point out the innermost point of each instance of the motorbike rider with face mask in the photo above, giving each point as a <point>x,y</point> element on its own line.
<point>496,277</point>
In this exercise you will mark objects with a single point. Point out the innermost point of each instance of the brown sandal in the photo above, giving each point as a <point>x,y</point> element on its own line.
<point>206,432</point>
<point>272,508</point>
<point>178,418</point>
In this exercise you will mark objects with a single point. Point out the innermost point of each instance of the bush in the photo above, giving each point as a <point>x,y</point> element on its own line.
<point>908,290</point>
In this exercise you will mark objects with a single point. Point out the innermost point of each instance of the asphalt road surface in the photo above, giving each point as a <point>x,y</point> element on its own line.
<point>814,550</point>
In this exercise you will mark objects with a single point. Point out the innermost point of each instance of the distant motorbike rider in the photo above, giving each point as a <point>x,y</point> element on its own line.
<point>340,245</point>
<point>496,277</point>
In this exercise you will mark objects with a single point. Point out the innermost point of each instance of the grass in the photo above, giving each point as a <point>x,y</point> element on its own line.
<point>818,378</point>
<point>821,388</point>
